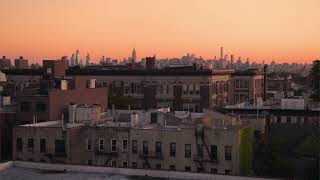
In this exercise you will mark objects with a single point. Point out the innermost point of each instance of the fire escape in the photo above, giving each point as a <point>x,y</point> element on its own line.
<point>201,157</point>
<point>108,154</point>
<point>145,155</point>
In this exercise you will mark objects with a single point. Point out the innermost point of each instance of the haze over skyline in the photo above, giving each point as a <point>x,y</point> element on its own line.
<point>260,30</point>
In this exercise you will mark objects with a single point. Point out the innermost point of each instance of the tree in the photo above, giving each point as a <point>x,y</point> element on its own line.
<point>315,79</point>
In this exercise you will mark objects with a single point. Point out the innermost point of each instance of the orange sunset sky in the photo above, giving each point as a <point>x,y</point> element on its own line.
<point>284,30</point>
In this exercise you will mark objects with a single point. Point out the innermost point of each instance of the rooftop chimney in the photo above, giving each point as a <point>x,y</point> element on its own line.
<point>221,52</point>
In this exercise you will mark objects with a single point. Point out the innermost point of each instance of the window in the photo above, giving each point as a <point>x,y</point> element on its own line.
<point>43,146</point>
<point>278,119</point>
<point>134,146</point>
<point>158,166</point>
<point>114,163</point>
<point>214,152</point>
<point>288,119</point>
<point>25,107</point>
<point>124,145</point>
<point>214,171</point>
<point>228,153</point>
<point>41,107</point>
<point>200,150</point>
<point>145,147</point>
<point>113,145</point>
<point>158,150</point>
<point>19,144</point>
<point>227,172</point>
<point>89,144</point>
<point>124,164</point>
<point>134,165</point>
<point>187,150</point>
<point>172,167</point>
<point>154,118</point>
<point>187,168</point>
<point>298,120</point>
<point>30,145</point>
<point>89,162</point>
<point>60,146</point>
<point>101,144</point>
<point>126,88</point>
<point>172,149</point>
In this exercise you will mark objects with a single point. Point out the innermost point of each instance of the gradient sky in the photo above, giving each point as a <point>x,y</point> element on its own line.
<point>284,30</point>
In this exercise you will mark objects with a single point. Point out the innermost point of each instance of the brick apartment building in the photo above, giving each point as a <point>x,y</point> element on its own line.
<point>51,103</point>
<point>179,88</point>
<point>161,142</point>
<point>246,86</point>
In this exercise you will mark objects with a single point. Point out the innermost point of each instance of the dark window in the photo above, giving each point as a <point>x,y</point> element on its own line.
<point>30,145</point>
<point>41,107</point>
<point>214,171</point>
<point>43,146</point>
<point>227,172</point>
<point>158,149</point>
<point>25,107</point>
<point>113,145</point>
<point>114,163</point>
<point>154,118</point>
<point>101,144</point>
<point>172,167</point>
<point>298,120</point>
<point>145,166</point>
<point>306,120</point>
<point>89,162</point>
<point>187,168</point>
<point>200,150</point>
<point>60,146</point>
<point>158,166</point>
<point>278,119</point>
<point>214,152</point>
<point>288,119</point>
<point>134,146</point>
<point>145,147</point>
<point>124,164</point>
<point>124,145</point>
<point>173,149</point>
<point>89,144</point>
<point>134,165</point>
<point>19,144</point>
<point>228,153</point>
<point>187,150</point>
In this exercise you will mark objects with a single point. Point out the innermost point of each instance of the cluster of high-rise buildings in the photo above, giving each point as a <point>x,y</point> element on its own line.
<point>180,117</point>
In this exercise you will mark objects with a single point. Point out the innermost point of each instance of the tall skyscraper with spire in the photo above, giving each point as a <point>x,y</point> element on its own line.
<point>134,56</point>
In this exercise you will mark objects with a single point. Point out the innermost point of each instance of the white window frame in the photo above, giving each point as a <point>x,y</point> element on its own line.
<point>100,144</point>
<point>89,139</point>
<point>113,145</point>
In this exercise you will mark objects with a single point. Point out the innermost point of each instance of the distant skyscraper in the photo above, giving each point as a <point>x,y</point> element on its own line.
<point>221,53</point>
<point>232,59</point>
<point>78,58</point>
<point>87,59</point>
<point>134,56</point>
<point>72,60</point>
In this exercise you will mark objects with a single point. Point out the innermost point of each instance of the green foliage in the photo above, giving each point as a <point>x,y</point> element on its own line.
<point>246,151</point>
<point>315,77</point>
